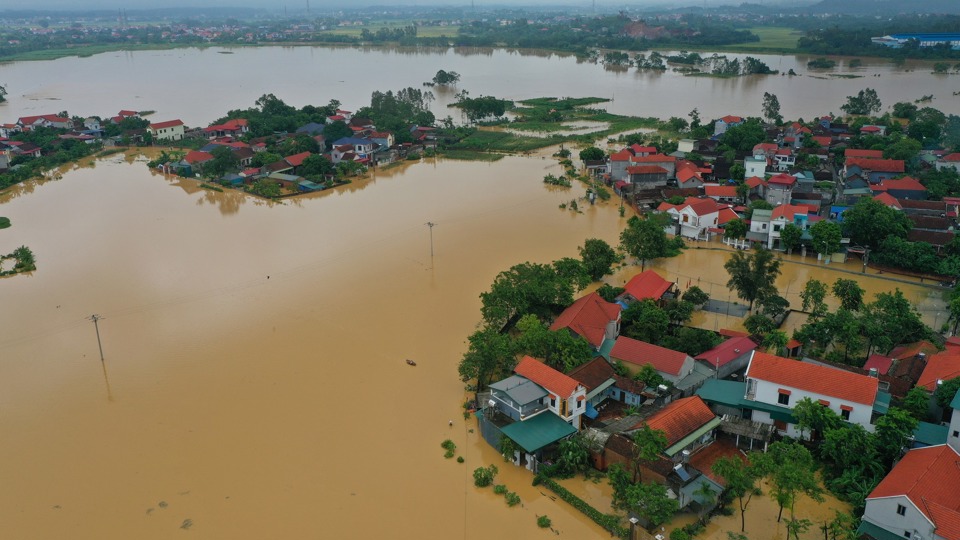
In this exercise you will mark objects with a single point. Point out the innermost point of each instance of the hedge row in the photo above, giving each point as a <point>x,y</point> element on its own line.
<point>609,522</point>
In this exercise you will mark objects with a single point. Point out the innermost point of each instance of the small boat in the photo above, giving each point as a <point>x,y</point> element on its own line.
<point>411,362</point>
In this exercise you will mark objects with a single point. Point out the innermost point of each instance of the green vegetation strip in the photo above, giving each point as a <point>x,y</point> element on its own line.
<point>609,522</point>
<point>471,155</point>
<point>501,141</point>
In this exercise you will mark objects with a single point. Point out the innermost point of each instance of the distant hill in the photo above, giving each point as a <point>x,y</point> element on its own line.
<point>885,7</point>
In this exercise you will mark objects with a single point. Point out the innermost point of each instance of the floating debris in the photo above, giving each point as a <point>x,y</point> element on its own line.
<point>411,362</point>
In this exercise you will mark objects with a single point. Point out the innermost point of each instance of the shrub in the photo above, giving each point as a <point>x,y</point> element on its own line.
<point>500,489</point>
<point>4,222</point>
<point>483,476</point>
<point>459,459</point>
<point>448,454</point>
<point>543,522</point>
<point>448,445</point>
<point>607,521</point>
<point>679,534</point>
<point>512,499</point>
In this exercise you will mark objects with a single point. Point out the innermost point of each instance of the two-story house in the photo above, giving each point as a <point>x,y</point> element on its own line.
<point>592,318</point>
<point>774,385</point>
<point>28,123</point>
<point>694,218</point>
<point>781,216</point>
<point>949,161</point>
<point>171,130</point>
<point>755,165</point>
<point>722,125</point>
<point>873,170</point>
<point>779,189</point>
<point>918,500</point>
<point>361,147</point>
<point>235,127</point>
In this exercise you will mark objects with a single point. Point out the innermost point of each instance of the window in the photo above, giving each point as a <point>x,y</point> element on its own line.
<point>845,414</point>
<point>906,534</point>
<point>783,399</point>
<point>902,511</point>
<point>553,402</point>
<point>956,433</point>
<point>776,228</point>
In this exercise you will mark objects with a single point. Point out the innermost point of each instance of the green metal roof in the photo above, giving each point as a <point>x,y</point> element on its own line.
<point>606,347</point>
<point>930,434</point>
<point>882,404</point>
<point>682,443</point>
<point>731,394</point>
<point>539,431</point>
<point>876,532</point>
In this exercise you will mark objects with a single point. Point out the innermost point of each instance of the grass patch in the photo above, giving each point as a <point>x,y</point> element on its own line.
<point>501,141</point>
<point>771,38</point>
<point>471,155</point>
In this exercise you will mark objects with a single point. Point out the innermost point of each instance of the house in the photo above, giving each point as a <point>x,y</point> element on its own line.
<point>755,165</point>
<point>858,153</point>
<point>940,367</point>
<point>29,123</point>
<point>312,128</point>
<point>722,125</point>
<point>725,194</point>
<point>383,138</point>
<point>647,285</point>
<point>92,123</point>
<point>785,159</point>
<point>359,146</point>
<point>234,127</point>
<point>874,170</point>
<point>592,318</point>
<point>767,150</point>
<point>902,188</point>
<point>171,130</point>
<point>694,218</point>
<point>597,376</point>
<point>671,365</point>
<point>779,189</point>
<point>950,161</point>
<point>196,158</point>
<point>781,216</point>
<point>731,356</point>
<point>775,384</point>
<point>755,186</point>
<point>878,131</point>
<point>689,178</point>
<point>669,163</point>
<point>918,499</point>
<point>647,176</point>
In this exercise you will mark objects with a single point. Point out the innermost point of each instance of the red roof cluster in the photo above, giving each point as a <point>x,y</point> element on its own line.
<point>788,211</point>
<point>641,353</point>
<point>588,317</point>
<point>813,378</point>
<point>929,478</point>
<point>547,377</point>
<point>234,124</point>
<point>647,284</point>
<point>906,183</point>
<point>297,159</point>
<point>197,156</point>
<point>679,419</point>
<point>954,157</point>
<point>888,200</point>
<point>28,120</point>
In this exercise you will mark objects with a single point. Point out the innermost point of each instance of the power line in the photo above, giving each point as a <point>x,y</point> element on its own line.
<point>96,319</point>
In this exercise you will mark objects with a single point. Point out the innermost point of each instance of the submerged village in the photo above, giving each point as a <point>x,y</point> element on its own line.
<point>861,400</point>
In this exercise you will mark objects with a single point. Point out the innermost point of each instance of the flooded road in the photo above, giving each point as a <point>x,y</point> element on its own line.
<point>196,94</point>
<point>254,378</point>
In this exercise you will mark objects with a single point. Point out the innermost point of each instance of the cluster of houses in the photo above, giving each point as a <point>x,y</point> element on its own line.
<point>796,179</point>
<point>732,398</point>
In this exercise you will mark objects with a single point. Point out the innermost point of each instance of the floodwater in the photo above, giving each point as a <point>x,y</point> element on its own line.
<point>254,379</point>
<point>200,85</point>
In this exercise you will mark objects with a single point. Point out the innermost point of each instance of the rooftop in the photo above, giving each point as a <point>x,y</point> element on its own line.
<point>816,379</point>
<point>641,353</point>
<point>547,377</point>
<point>588,317</point>
<point>727,351</point>
<point>647,284</point>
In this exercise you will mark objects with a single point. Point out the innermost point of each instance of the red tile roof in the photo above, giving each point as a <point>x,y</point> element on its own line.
<point>870,129</point>
<point>943,367</point>
<point>783,179</point>
<point>685,175</point>
<point>732,333</point>
<point>877,165</point>
<point>646,169</point>
<point>823,141</point>
<point>813,378</point>
<point>27,120</point>
<point>679,419</point>
<point>951,157</point>
<point>655,158</point>
<point>879,362</point>
<point>913,349</point>
<point>905,183</point>
<point>588,317</point>
<point>637,149</point>
<point>547,377</point>
<point>765,147</point>
<point>623,155</point>
<point>754,181</point>
<point>857,153</point>
<point>234,124</point>
<point>731,119</point>
<point>888,200</point>
<point>168,123</point>
<point>726,216</point>
<point>720,191</point>
<point>592,374</point>
<point>641,353</point>
<point>787,211</point>
<point>126,112</point>
<point>929,478</point>
<point>647,284</point>
<point>727,351</point>
<point>196,156</point>
<point>297,159</point>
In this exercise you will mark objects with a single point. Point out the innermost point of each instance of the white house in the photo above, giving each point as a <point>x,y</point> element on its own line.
<point>44,120</point>
<point>776,384</point>
<point>781,216</point>
<point>565,398</point>
<point>755,165</point>
<point>695,218</point>
<point>171,130</point>
<point>918,500</point>
<point>950,161</point>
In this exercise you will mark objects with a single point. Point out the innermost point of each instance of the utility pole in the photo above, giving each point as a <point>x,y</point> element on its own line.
<point>431,224</point>
<point>96,318</point>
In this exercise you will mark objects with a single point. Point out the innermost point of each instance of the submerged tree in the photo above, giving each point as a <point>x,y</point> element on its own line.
<point>753,275</point>
<point>771,108</point>
<point>741,478</point>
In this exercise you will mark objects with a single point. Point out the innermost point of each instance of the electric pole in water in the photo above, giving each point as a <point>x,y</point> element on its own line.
<point>95,318</point>
<point>431,224</point>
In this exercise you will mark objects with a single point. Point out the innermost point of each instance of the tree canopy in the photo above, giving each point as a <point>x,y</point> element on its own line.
<point>753,275</point>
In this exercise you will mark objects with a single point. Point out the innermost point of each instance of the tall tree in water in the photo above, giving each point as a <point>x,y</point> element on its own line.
<point>753,275</point>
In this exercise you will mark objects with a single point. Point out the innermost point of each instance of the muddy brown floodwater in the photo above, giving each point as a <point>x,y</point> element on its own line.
<point>254,379</point>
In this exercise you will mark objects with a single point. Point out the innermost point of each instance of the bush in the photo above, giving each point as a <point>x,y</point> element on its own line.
<point>448,454</point>
<point>679,534</point>
<point>483,476</point>
<point>512,499</point>
<point>448,445</point>
<point>4,222</point>
<point>500,489</point>
<point>459,459</point>
<point>543,522</point>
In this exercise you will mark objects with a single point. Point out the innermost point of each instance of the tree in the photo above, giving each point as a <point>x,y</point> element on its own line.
<point>813,295</point>
<point>865,102</point>
<point>891,320</point>
<point>224,160</point>
<point>850,447</point>
<point>598,257</point>
<point>816,418</point>
<point>651,502</point>
<point>737,172</point>
<point>561,349</point>
<point>3,94</point>
<point>759,325</point>
<point>849,293</point>
<point>693,341</point>
<point>573,457</point>
<point>266,188</point>
<point>679,311</point>
<point>826,238</point>
<point>573,271</point>
<point>644,321</point>
<point>489,353</point>
<point>792,471</point>
<point>446,78</point>
<point>904,109</point>
<point>741,478</point>
<point>696,296</point>
<point>743,137</point>
<point>870,221</point>
<point>915,403</point>
<point>771,108</point>
<point>648,445</point>
<point>315,165</point>
<point>893,431</point>
<point>790,237</point>
<point>753,275</point>
<point>735,228</point>
<point>775,342</point>
<point>945,393</point>
<point>644,239</point>
<point>525,288</point>
<point>592,154</point>
<point>649,376</point>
